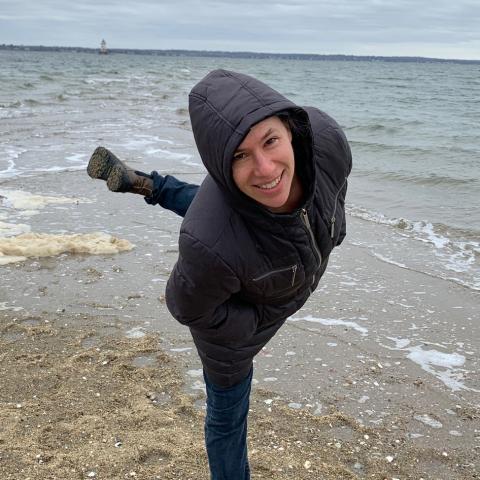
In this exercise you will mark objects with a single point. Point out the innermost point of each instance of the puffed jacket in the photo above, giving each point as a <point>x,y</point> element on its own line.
<point>243,270</point>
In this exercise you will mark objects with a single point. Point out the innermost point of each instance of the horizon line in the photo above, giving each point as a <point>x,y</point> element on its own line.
<point>242,52</point>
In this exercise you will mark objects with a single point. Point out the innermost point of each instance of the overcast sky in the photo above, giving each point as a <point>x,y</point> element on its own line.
<point>431,28</point>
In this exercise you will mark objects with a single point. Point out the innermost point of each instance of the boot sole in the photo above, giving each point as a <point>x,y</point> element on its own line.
<point>101,163</point>
<point>118,179</point>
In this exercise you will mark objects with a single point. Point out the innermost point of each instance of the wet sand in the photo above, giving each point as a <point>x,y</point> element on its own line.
<point>376,377</point>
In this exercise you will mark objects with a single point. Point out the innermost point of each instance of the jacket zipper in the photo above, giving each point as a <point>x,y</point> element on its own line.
<point>306,221</point>
<point>332,220</point>
<point>293,268</point>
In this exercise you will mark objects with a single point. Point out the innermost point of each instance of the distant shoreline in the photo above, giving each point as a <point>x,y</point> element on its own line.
<point>259,55</point>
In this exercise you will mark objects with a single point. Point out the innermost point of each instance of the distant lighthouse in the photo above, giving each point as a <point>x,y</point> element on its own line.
<point>103,48</point>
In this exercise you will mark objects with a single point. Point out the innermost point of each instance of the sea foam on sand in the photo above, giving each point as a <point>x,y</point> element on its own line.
<point>21,200</point>
<point>17,243</point>
<point>21,247</point>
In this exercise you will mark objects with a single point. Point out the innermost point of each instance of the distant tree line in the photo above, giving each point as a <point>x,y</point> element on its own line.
<point>259,55</point>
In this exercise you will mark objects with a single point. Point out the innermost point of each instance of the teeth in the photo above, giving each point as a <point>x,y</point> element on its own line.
<point>270,185</point>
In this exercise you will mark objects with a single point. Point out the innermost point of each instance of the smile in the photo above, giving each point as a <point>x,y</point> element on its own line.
<point>272,184</point>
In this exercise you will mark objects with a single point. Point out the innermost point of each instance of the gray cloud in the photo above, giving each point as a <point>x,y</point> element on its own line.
<point>376,27</point>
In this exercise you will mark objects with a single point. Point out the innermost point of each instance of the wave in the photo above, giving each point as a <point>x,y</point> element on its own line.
<point>472,285</point>
<point>431,179</point>
<point>16,104</point>
<point>104,80</point>
<point>10,171</point>
<point>13,172</point>
<point>373,128</point>
<point>12,154</point>
<point>405,224</point>
<point>383,147</point>
<point>457,251</point>
<point>31,102</point>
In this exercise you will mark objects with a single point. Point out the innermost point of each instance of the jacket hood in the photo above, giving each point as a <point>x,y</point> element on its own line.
<point>223,108</point>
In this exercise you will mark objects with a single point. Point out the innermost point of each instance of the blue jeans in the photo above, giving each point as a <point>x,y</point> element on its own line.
<point>171,193</point>
<point>226,429</point>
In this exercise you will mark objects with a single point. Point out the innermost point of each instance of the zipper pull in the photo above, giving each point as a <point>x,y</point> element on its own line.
<point>305,219</point>
<point>333,227</point>
<point>294,271</point>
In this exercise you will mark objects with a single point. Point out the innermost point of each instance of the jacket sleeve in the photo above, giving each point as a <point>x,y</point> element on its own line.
<point>201,294</point>
<point>334,148</point>
<point>343,230</point>
<point>347,155</point>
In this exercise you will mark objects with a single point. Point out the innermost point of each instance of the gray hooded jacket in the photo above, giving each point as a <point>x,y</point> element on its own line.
<point>243,270</point>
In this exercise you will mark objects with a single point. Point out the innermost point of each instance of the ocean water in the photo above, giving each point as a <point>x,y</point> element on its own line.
<point>414,193</point>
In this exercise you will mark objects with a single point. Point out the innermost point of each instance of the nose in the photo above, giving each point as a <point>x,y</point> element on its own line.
<point>264,164</point>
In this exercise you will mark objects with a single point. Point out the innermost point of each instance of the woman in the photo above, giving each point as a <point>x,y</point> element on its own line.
<point>255,239</point>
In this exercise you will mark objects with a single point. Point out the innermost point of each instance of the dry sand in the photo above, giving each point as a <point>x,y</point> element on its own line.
<point>79,400</point>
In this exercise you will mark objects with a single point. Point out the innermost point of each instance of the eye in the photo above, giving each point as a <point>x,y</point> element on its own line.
<point>271,141</point>
<point>239,156</point>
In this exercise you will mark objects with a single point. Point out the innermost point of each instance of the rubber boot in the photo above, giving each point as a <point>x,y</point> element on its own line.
<point>105,165</point>
<point>124,179</point>
<point>101,163</point>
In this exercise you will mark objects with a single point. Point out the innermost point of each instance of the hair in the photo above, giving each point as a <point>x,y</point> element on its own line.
<point>296,120</point>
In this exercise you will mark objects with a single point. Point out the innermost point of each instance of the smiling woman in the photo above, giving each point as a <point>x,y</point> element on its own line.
<point>264,166</point>
<point>255,240</point>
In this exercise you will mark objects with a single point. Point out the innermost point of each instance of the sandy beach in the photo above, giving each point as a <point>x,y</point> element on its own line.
<point>376,377</point>
<point>84,397</point>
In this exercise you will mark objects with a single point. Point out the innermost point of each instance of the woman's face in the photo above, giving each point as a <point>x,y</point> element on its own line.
<point>264,165</point>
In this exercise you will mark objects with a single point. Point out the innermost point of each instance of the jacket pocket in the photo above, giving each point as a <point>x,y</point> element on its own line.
<point>277,281</point>
<point>337,217</point>
<point>283,273</point>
